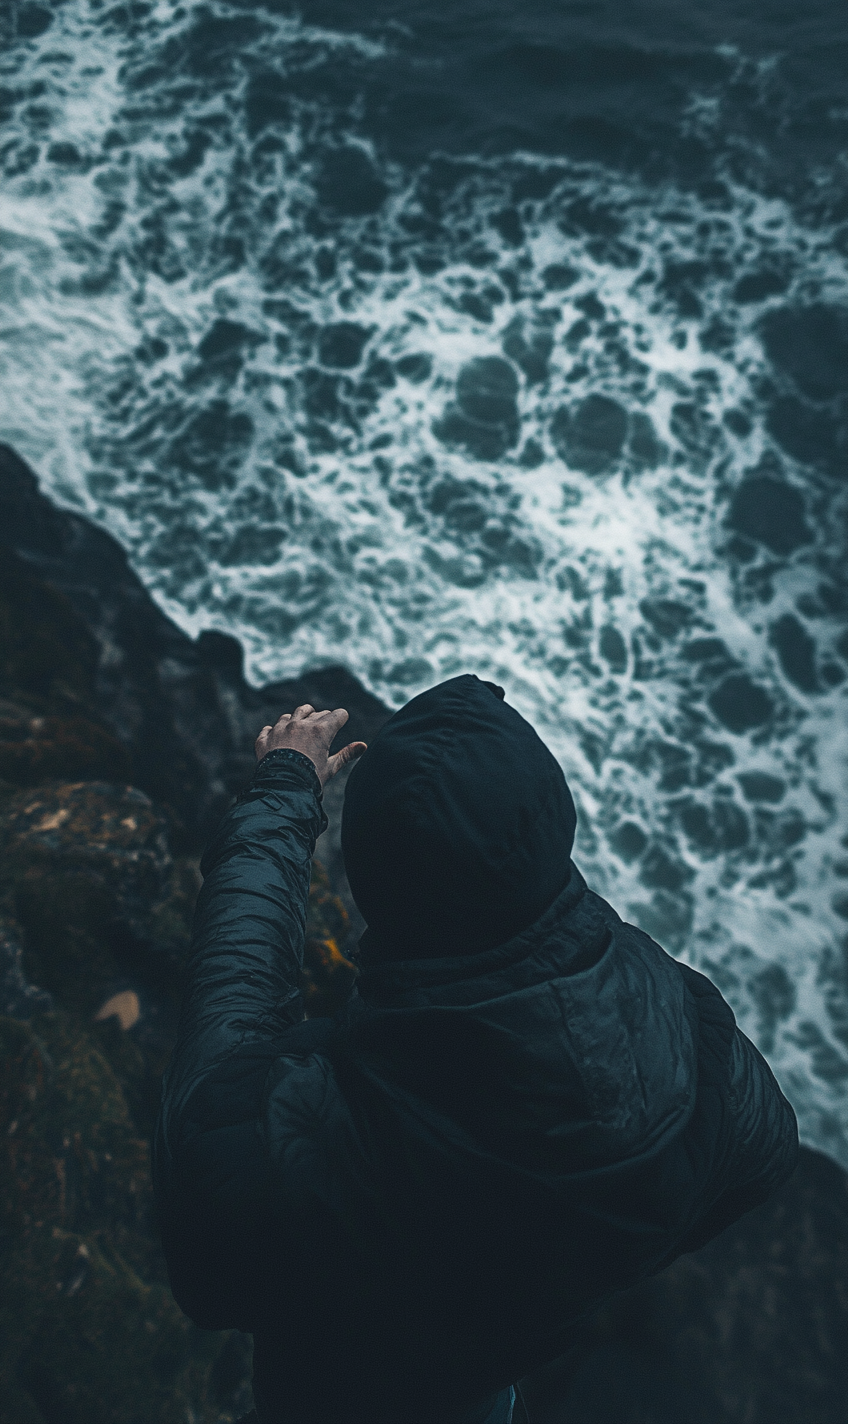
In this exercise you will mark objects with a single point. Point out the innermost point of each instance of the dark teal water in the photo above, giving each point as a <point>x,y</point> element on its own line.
<point>478,337</point>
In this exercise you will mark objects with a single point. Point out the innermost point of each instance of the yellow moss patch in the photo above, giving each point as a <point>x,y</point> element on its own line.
<point>327,977</point>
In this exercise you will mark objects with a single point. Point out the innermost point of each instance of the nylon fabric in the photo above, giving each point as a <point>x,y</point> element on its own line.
<point>457,826</point>
<point>411,1205</point>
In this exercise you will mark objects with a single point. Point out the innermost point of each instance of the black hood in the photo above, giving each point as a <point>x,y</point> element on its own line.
<point>457,826</point>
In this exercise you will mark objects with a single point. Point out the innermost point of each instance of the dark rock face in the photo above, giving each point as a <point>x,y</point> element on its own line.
<point>86,867</point>
<point>18,998</point>
<point>751,1327</point>
<point>173,716</point>
<point>88,1328</point>
<point>97,888</point>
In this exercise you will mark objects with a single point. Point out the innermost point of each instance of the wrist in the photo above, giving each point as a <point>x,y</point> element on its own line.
<point>281,756</point>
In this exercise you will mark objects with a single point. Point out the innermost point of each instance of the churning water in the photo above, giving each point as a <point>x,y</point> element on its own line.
<point>464,342</point>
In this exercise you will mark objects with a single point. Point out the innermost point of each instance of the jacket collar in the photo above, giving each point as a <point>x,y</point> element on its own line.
<point>386,978</point>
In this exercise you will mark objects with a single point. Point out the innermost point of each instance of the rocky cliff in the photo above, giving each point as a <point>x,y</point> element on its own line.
<point>121,741</point>
<point>85,639</point>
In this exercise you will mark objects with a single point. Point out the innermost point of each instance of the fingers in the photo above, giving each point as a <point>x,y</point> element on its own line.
<point>300,714</point>
<point>261,741</point>
<point>348,753</point>
<point>307,731</point>
<point>329,721</point>
<point>336,720</point>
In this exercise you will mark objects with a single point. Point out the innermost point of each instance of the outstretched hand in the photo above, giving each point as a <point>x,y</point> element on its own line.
<point>310,732</point>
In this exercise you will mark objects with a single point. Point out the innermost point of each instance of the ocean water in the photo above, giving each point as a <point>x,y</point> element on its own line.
<point>461,339</point>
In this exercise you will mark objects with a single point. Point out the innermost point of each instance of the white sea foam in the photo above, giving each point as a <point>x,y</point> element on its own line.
<point>327,513</point>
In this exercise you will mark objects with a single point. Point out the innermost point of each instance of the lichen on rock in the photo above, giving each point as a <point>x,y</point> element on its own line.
<point>95,914</point>
<point>84,867</point>
<point>88,1329</point>
<point>121,742</point>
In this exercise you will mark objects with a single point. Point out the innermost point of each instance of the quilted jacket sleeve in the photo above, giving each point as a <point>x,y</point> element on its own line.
<point>249,924</point>
<point>241,1007</point>
<point>759,1132</point>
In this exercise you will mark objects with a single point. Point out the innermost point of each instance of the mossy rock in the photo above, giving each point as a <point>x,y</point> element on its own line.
<point>327,976</point>
<point>103,1346</point>
<point>45,648</point>
<point>18,998</point>
<point>106,828</point>
<point>35,748</point>
<point>72,1156</point>
<point>87,871</point>
<point>89,1331</point>
<point>326,915</point>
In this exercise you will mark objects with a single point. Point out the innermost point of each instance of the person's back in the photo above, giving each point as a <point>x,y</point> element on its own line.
<point>525,1106</point>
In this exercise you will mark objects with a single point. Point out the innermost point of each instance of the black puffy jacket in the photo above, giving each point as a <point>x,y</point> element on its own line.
<point>409,1206</point>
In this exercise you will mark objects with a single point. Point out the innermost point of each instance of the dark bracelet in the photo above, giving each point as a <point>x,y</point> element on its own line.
<point>291,754</point>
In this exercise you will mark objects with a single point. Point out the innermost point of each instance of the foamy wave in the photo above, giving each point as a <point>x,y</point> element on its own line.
<point>517,416</point>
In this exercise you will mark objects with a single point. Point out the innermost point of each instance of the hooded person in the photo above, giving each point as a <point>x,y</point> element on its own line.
<point>525,1106</point>
<point>457,826</point>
